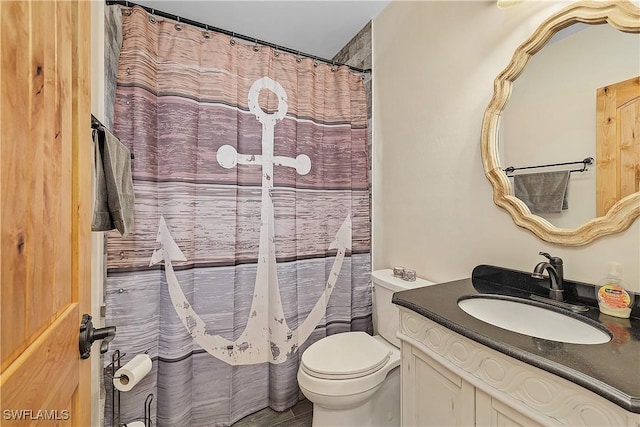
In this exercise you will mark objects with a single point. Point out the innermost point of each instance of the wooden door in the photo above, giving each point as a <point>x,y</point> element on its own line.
<point>45,190</point>
<point>617,143</point>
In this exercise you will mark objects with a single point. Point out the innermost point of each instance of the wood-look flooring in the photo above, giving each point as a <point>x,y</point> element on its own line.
<point>298,416</point>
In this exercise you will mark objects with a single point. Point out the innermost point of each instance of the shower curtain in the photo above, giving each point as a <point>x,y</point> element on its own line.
<point>252,232</point>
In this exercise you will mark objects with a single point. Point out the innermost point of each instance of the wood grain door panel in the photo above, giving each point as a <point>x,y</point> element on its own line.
<point>45,191</point>
<point>617,143</point>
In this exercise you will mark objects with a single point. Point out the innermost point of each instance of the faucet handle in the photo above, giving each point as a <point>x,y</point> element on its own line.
<point>554,260</point>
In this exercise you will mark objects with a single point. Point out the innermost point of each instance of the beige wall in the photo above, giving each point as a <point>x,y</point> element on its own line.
<point>434,63</point>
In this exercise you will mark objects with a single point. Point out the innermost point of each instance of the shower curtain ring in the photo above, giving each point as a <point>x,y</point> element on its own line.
<point>178,27</point>
<point>233,39</point>
<point>298,57</point>
<point>205,33</point>
<point>256,47</point>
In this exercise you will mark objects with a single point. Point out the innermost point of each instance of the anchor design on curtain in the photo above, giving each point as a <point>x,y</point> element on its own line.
<point>267,336</point>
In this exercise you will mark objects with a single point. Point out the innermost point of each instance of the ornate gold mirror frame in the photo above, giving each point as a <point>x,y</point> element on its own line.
<point>622,15</point>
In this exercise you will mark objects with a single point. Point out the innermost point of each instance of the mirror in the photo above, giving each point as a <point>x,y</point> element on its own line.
<point>545,110</point>
<point>551,115</point>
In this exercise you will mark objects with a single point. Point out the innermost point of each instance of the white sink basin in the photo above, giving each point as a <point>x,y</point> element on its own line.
<point>533,320</point>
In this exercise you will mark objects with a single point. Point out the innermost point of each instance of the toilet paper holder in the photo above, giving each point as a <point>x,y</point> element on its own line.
<point>112,368</point>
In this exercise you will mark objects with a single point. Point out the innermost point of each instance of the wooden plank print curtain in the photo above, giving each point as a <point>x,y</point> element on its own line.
<point>252,233</point>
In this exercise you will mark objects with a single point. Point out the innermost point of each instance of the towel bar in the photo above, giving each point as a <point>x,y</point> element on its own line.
<point>586,162</point>
<point>96,124</point>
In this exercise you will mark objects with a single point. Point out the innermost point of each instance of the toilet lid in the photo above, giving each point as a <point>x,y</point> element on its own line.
<point>346,355</point>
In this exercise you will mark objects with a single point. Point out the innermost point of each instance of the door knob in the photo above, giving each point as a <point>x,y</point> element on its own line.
<point>88,334</point>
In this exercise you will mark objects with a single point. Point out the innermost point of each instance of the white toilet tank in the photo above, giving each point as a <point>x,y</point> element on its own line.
<point>386,317</point>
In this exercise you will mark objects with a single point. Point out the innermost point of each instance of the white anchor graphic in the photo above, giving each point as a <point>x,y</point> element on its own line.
<point>267,336</point>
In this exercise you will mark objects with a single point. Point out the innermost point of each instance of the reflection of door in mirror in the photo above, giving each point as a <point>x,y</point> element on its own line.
<point>617,143</point>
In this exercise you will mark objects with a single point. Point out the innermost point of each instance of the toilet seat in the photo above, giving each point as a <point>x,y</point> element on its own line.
<point>343,356</point>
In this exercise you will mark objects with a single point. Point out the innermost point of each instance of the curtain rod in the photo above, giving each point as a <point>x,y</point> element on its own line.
<point>232,34</point>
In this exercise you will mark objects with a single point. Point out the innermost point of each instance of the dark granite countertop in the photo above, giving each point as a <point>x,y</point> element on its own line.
<point>611,370</point>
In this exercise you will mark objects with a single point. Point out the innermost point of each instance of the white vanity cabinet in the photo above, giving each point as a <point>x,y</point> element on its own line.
<point>433,396</point>
<point>492,412</point>
<point>450,380</point>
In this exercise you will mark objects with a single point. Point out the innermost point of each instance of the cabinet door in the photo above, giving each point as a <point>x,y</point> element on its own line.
<point>431,394</point>
<point>492,412</point>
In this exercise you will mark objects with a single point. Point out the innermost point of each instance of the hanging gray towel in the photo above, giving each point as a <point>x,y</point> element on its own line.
<point>544,192</point>
<point>114,198</point>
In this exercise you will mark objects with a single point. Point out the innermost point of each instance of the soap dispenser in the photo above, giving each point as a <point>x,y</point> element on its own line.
<point>613,298</point>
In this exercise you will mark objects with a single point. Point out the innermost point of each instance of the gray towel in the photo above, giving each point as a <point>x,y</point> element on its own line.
<point>114,199</point>
<point>544,192</point>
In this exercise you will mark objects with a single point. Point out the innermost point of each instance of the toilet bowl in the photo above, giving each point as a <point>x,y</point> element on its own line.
<point>353,378</point>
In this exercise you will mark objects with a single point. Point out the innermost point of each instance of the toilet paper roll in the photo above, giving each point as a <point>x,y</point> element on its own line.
<point>136,424</point>
<point>131,373</point>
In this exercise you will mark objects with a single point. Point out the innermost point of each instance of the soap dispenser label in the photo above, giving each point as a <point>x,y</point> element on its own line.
<point>614,296</point>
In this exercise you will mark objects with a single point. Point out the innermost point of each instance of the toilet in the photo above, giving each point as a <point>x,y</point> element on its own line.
<point>353,378</point>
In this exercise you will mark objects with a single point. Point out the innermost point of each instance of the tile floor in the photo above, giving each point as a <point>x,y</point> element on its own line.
<point>298,416</point>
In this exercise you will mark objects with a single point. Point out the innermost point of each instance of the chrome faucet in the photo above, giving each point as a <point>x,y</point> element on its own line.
<point>555,270</point>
